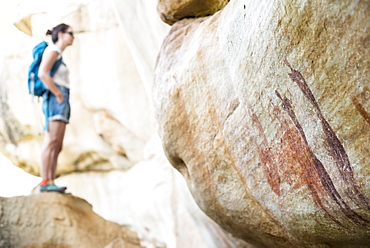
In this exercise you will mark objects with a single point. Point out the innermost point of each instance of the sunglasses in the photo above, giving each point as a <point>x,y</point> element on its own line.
<point>70,33</point>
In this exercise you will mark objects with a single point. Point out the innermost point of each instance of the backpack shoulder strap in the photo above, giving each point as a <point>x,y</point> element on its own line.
<point>56,66</point>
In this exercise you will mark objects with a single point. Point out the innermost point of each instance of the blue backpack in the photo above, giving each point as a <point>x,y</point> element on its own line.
<point>35,86</point>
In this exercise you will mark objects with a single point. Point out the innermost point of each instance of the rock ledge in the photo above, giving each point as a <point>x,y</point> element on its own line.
<point>56,220</point>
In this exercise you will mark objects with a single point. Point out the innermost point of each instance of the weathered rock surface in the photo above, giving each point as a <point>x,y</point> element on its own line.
<point>264,108</point>
<point>111,141</point>
<point>58,221</point>
<point>172,11</point>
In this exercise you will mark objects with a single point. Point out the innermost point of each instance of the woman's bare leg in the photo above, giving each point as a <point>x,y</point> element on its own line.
<point>53,144</point>
<point>45,158</point>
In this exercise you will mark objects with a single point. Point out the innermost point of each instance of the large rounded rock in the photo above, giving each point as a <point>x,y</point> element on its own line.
<point>264,108</point>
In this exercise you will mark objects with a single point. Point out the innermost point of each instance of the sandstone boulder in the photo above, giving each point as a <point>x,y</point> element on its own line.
<point>57,220</point>
<point>173,11</point>
<point>264,108</point>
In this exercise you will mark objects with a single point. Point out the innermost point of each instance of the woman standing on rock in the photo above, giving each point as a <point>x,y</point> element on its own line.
<point>56,105</point>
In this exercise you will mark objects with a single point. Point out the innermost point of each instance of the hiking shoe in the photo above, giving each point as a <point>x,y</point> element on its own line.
<point>52,188</point>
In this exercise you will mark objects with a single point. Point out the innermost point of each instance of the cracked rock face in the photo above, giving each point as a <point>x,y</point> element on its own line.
<point>264,108</point>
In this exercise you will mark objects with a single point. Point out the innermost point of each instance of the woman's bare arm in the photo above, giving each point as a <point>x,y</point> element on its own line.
<point>47,63</point>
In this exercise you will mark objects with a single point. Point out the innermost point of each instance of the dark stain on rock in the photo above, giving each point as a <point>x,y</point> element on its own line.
<point>314,174</point>
<point>11,132</point>
<point>366,42</point>
<point>360,109</point>
<point>266,154</point>
<point>296,150</point>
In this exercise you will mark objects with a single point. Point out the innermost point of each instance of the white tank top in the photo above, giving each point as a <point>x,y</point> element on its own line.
<point>61,76</point>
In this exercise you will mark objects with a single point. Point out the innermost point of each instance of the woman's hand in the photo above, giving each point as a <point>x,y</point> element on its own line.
<point>60,97</point>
